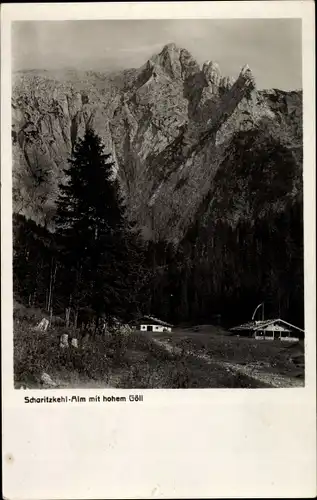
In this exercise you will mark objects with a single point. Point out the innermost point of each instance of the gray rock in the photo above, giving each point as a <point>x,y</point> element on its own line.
<point>47,380</point>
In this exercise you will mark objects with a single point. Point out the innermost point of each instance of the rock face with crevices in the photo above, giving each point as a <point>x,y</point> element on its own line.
<point>172,129</point>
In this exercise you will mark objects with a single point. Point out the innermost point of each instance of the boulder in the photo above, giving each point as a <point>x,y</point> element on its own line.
<point>64,340</point>
<point>43,325</point>
<point>74,343</point>
<point>47,380</point>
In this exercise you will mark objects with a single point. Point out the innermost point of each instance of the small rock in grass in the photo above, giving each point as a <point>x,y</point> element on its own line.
<point>47,380</point>
<point>43,325</point>
<point>74,342</point>
<point>64,340</point>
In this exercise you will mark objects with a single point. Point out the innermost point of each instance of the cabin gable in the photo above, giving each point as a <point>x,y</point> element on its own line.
<point>274,329</point>
<point>151,324</point>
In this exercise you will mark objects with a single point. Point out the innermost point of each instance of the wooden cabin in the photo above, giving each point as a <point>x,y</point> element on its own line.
<point>271,329</point>
<point>151,324</point>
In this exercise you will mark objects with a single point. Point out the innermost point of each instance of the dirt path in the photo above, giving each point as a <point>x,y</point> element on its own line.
<point>251,370</point>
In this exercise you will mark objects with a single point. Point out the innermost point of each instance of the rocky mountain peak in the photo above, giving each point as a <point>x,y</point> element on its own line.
<point>171,47</point>
<point>167,125</point>
<point>167,61</point>
<point>175,62</point>
<point>227,82</point>
<point>212,73</point>
<point>247,75</point>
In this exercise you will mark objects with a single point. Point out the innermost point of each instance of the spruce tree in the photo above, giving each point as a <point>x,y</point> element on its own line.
<point>101,254</point>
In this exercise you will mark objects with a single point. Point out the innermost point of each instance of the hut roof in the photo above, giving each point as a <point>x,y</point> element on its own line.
<point>153,320</point>
<point>268,325</point>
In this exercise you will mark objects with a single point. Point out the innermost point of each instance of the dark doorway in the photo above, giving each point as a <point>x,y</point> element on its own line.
<point>149,328</point>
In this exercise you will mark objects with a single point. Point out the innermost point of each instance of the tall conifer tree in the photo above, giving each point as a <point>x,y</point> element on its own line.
<point>102,254</point>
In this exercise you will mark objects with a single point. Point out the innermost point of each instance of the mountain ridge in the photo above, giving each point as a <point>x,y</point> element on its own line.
<point>167,125</point>
<point>210,169</point>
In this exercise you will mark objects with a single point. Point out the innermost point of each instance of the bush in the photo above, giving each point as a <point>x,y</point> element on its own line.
<point>58,321</point>
<point>22,313</point>
<point>35,352</point>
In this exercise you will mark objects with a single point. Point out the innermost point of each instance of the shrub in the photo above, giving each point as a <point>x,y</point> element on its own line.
<point>35,352</point>
<point>22,313</point>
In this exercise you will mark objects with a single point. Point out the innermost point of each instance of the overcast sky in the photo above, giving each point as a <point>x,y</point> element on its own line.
<point>271,47</point>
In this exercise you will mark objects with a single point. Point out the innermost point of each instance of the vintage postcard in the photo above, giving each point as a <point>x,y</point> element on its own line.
<point>158,250</point>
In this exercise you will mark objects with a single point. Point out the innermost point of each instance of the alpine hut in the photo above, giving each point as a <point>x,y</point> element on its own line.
<point>151,324</point>
<point>271,329</point>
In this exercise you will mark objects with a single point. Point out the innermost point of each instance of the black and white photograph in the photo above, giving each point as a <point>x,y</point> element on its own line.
<point>157,187</point>
<point>158,250</point>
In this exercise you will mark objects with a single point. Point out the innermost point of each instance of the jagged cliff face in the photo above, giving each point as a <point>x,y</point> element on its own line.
<point>172,129</point>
